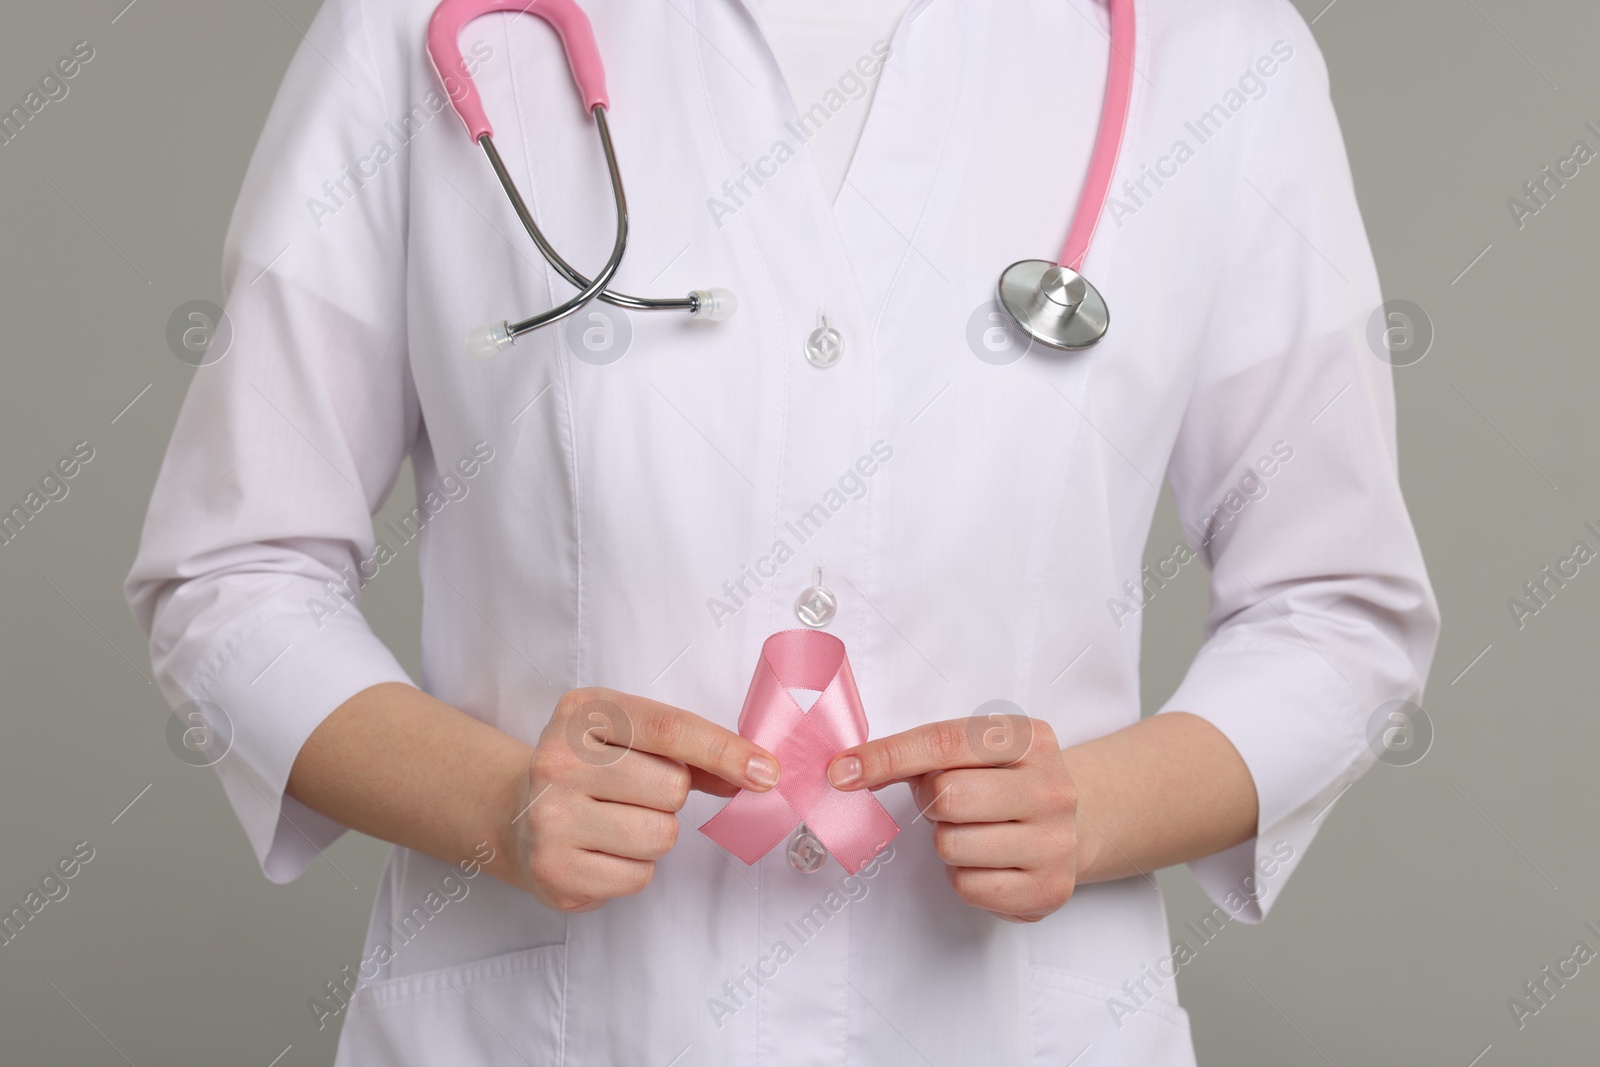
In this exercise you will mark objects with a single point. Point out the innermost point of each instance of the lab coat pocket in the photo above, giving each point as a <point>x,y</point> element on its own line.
<point>1079,1021</point>
<point>505,1011</point>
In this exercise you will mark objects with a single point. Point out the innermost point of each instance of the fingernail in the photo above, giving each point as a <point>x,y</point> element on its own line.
<point>845,772</point>
<point>762,771</point>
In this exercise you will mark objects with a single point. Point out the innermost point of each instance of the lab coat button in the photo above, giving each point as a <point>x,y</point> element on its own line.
<point>816,604</point>
<point>806,853</point>
<point>825,345</point>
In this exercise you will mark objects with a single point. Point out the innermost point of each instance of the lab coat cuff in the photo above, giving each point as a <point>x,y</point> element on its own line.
<point>276,679</point>
<point>1293,719</point>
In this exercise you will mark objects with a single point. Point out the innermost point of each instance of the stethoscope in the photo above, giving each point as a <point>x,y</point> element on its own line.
<point>1049,301</point>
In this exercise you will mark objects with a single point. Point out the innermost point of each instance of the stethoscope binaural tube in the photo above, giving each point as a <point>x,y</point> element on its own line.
<point>583,57</point>
<point>1052,302</point>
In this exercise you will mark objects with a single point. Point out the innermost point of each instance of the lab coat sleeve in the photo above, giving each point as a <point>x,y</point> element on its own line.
<point>259,531</point>
<point>1285,476</point>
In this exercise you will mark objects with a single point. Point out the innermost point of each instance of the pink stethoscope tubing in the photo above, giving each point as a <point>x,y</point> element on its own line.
<point>564,16</point>
<point>1108,141</point>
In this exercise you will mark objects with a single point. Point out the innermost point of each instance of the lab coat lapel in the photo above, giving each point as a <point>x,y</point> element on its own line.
<point>882,211</point>
<point>865,237</point>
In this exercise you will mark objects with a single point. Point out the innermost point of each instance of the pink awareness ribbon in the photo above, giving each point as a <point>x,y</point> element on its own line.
<point>852,826</point>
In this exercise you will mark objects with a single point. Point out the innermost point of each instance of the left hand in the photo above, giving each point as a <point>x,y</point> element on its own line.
<point>1007,833</point>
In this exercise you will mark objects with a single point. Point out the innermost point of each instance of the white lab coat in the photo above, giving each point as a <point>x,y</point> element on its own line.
<point>984,548</point>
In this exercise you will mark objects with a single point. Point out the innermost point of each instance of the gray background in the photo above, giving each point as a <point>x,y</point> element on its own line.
<point>1433,892</point>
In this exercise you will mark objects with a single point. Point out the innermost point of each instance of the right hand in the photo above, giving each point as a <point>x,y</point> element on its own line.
<point>600,799</point>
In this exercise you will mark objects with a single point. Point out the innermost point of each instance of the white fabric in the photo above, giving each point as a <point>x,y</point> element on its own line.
<point>978,522</point>
<point>818,44</point>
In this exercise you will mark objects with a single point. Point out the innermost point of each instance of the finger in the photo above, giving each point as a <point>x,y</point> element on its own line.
<point>1007,892</point>
<point>984,794</point>
<point>640,778</point>
<point>996,845</point>
<point>591,878</point>
<point>688,738</point>
<point>933,746</point>
<point>626,831</point>
<point>1035,917</point>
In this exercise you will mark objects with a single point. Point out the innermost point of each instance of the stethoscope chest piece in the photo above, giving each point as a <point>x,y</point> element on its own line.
<point>1054,305</point>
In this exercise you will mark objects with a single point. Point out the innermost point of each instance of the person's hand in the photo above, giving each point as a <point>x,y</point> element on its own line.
<point>1004,810</point>
<point>603,787</point>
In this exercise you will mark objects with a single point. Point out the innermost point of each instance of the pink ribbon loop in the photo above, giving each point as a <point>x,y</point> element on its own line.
<point>852,826</point>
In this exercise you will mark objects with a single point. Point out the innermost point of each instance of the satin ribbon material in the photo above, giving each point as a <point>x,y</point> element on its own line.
<point>852,826</point>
